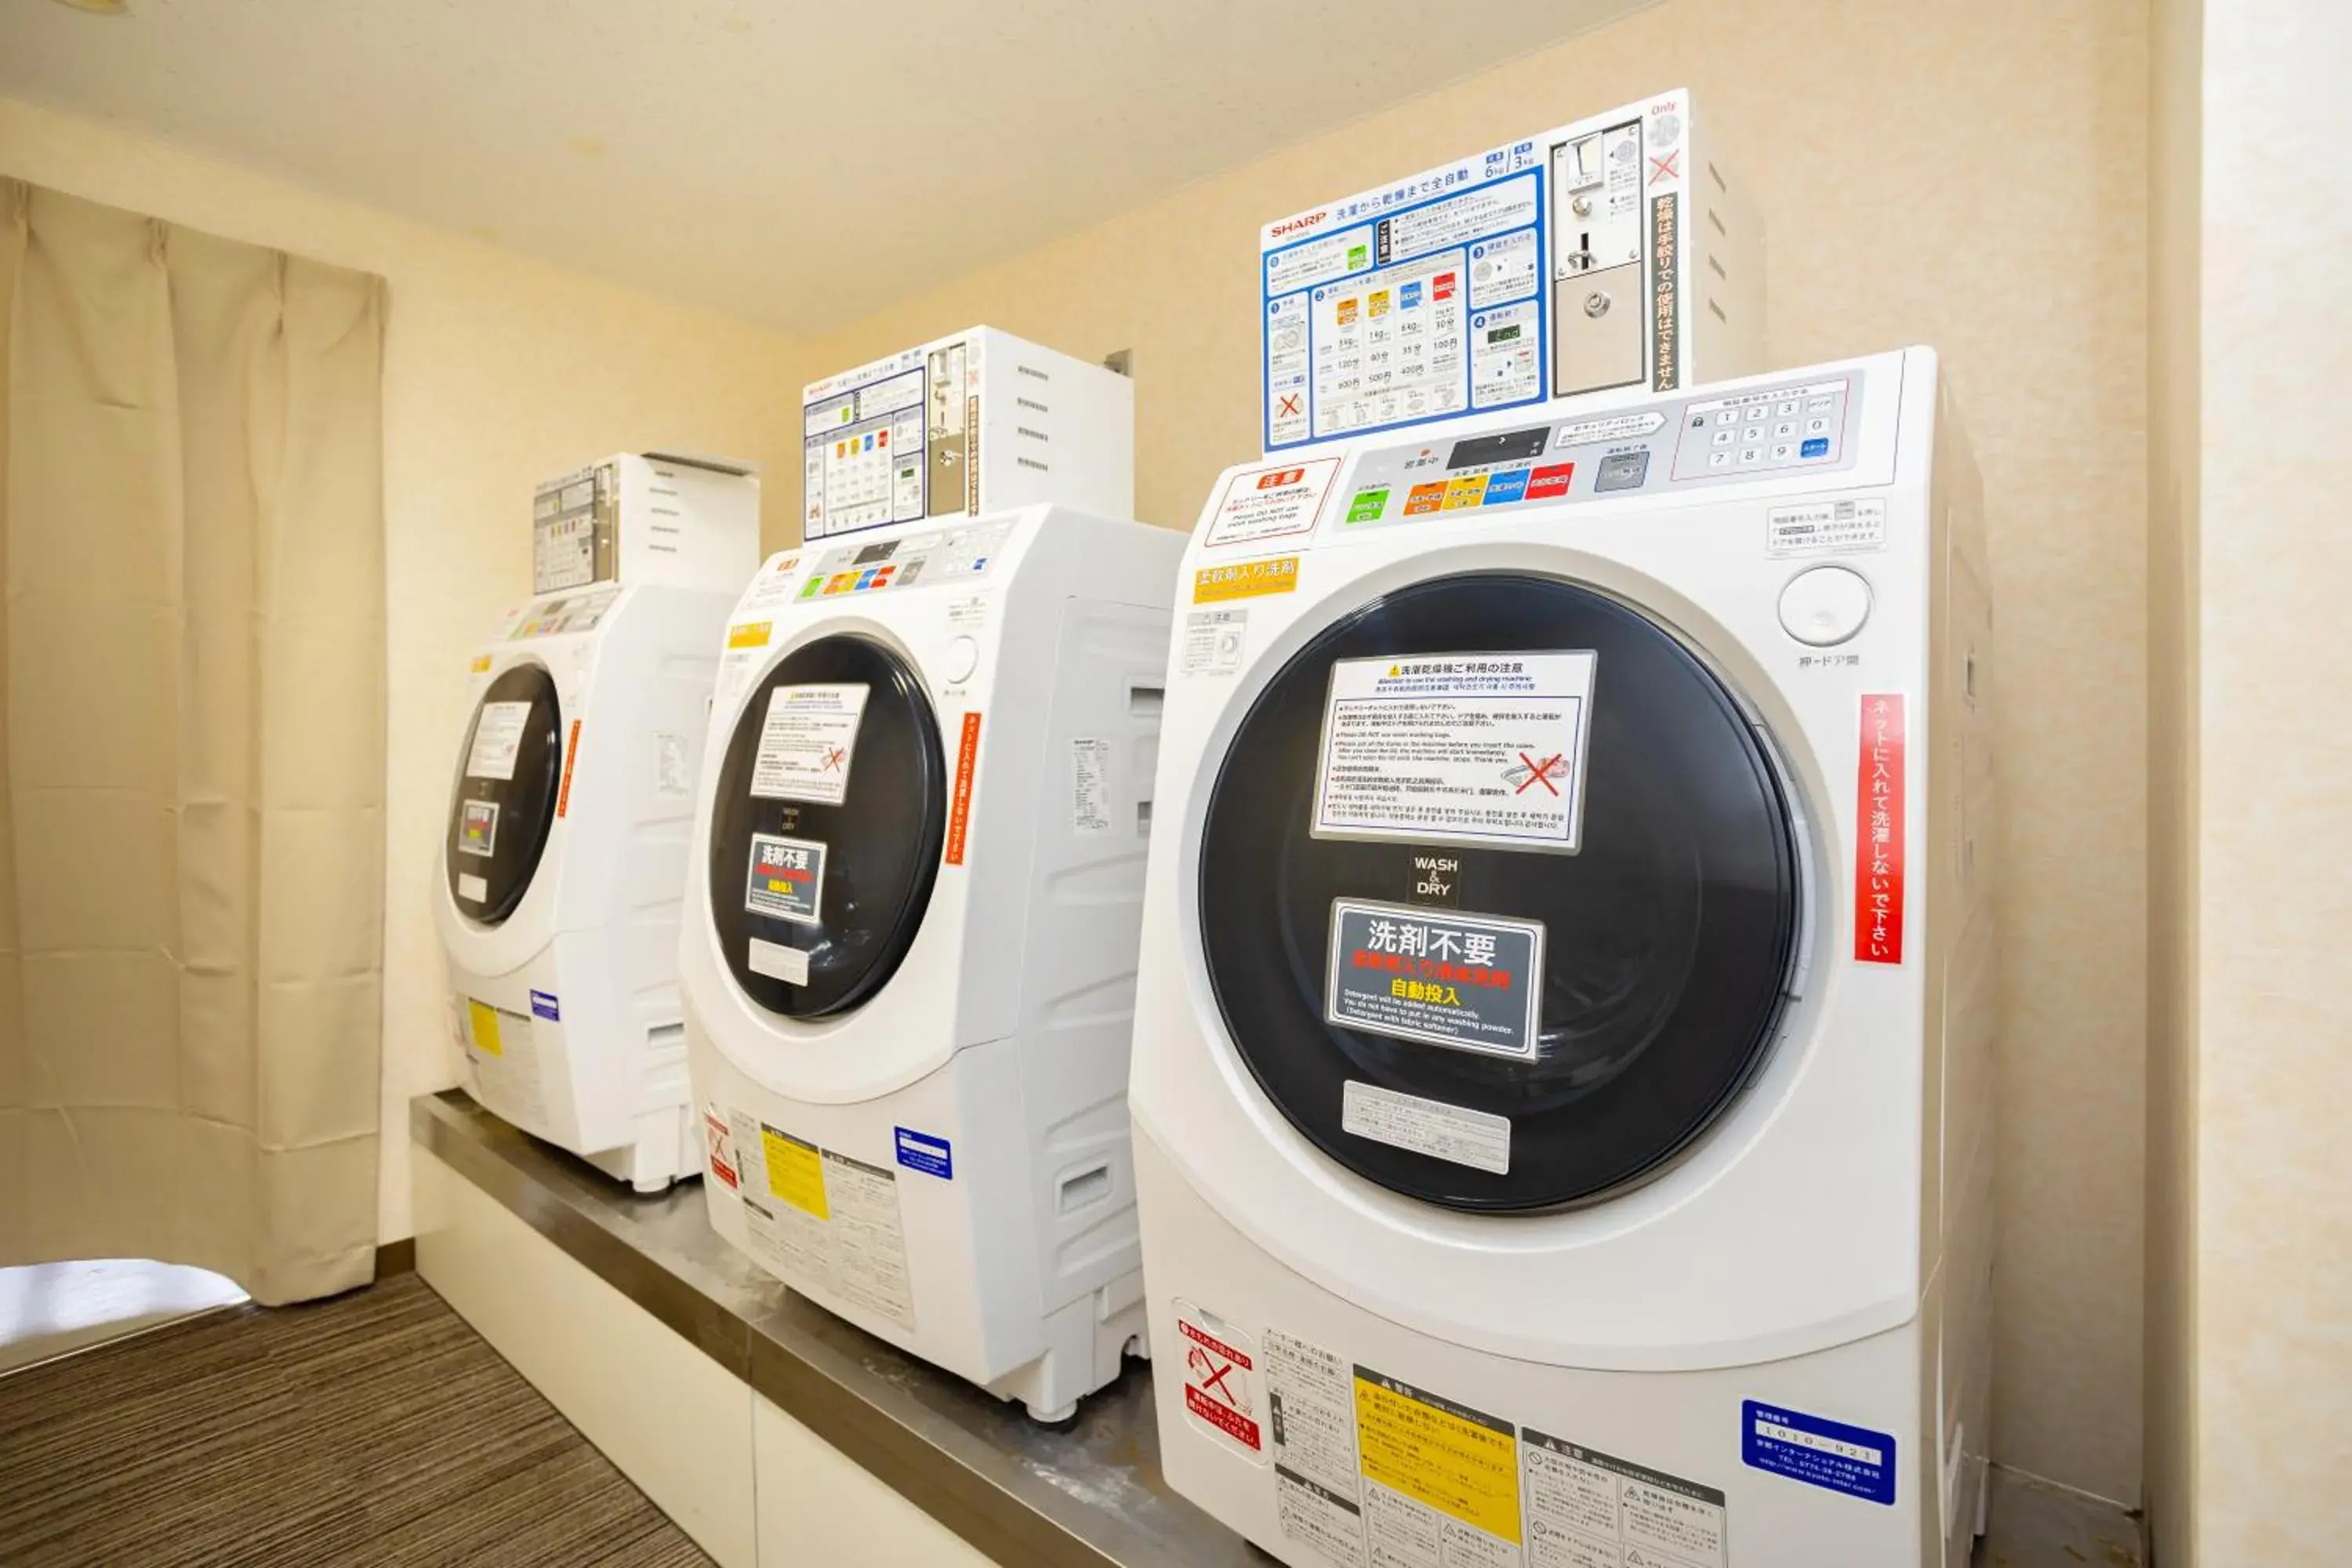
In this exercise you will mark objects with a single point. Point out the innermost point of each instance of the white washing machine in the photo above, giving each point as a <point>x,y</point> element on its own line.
<point>911,967</point>
<point>564,857</point>
<point>1563,1050</point>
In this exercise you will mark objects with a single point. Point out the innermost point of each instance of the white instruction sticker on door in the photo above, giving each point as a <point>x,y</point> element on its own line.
<point>1471,748</point>
<point>498,739</point>
<point>1213,642</point>
<point>805,743</point>
<point>1270,503</point>
<point>1453,1132</point>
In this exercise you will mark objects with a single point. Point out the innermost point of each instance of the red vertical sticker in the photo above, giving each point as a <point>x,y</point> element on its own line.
<point>1878,854</point>
<point>967,757</point>
<point>570,755</point>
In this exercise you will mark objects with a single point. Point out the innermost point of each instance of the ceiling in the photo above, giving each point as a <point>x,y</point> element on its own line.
<point>797,163</point>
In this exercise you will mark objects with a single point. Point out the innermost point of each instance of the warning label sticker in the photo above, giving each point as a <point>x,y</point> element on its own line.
<point>1249,580</point>
<point>1484,748</point>
<point>1213,642</point>
<point>805,743</point>
<point>1373,1472</point>
<point>1826,528</point>
<point>719,1149</point>
<point>1478,1139</point>
<point>825,1222</point>
<point>498,739</point>
<point>1270,503</point>
<point>1471,982</point>
<point>1090,810</point>
<point>477,828</point>
<point>787,878</point>
<point>1221,1379</point>
<point>1584,1506</point>
<point>502,1065</point>
<point>1420,1454</point>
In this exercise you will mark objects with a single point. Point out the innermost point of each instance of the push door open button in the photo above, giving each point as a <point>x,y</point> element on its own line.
<point>1825,605</point>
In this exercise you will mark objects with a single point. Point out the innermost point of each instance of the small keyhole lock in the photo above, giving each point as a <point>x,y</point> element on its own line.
<point>1596,304</point>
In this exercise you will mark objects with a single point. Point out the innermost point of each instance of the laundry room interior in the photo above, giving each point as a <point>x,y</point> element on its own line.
<point>738,826</point>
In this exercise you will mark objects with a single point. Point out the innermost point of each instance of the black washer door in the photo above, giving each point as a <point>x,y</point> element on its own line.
<point>498,826</point>
<point>880,846</point>
<point>1668,938</point>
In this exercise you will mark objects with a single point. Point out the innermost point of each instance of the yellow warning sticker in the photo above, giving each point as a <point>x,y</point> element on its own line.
<point>1463,1464</point>
<point>485,1021</point>
<point>1246,580</point>
<point>750,633</point>
<point>481,664</point>
<point>795,1171</point>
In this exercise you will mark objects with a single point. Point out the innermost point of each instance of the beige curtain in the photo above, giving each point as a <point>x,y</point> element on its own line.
<point>191,749</point>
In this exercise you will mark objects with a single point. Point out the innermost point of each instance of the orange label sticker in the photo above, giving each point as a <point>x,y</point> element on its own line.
<point>750,634</point>
<point>966,759</point>
<point>570,755</point>
<point>1248,580</point>
<point>481,665</point>
<point>1878,850</point>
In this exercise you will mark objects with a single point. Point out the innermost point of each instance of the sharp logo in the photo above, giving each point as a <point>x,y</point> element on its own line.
<point>1291,225</point>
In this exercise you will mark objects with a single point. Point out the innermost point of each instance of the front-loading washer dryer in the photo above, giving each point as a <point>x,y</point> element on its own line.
<point>1563,1059</point>
<point>910,966</point>
<point>563,859</point>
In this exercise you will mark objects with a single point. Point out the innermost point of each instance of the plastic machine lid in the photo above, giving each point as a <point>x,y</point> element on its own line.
<point>498,825</point>
<point>1668,939</point>
<point>870,859</point>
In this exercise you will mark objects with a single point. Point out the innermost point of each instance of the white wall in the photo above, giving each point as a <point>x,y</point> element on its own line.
<point>499,372</point>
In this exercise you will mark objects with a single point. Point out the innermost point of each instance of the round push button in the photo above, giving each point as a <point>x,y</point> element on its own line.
<point>963,657</point>
<point>1822,607</point>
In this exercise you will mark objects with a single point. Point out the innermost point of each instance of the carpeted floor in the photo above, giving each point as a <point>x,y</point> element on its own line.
<point>374,1429</point>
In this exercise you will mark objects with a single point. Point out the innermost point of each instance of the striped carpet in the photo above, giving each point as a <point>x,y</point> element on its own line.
<point>374,1429</point>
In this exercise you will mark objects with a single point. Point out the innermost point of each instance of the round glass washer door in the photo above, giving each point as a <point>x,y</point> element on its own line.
<point>1628,990</point>
<point>827,826</point>
<point>509,772</point>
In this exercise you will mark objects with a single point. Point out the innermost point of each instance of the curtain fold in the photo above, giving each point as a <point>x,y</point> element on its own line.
<point>192,667</point>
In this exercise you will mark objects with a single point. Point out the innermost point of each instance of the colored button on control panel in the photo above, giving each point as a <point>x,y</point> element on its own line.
<point>1464,492</point>
<point>1424,499</point>
<point>1818,447</point>
<point>1368,505</point>
<point>1551,480</point>
<point>1503,488</point>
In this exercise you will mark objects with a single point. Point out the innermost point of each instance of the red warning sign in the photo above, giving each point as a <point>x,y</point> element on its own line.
<point>1217,1383</point>
<point>1878,849</point>
<point>720,1140</point>
<point>966,759</point>
<point>570,755</point>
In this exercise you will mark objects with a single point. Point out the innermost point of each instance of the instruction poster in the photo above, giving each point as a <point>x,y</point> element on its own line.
<point>1475,748</point>
<point>805,743</point>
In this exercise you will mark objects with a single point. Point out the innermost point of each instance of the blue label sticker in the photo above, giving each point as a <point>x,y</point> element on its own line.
<point>543,1005</point>
<point>1830,1455</point>
<point>922,1152</point>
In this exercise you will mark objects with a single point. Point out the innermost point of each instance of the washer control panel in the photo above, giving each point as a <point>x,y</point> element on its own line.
<point>1672,446</point>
